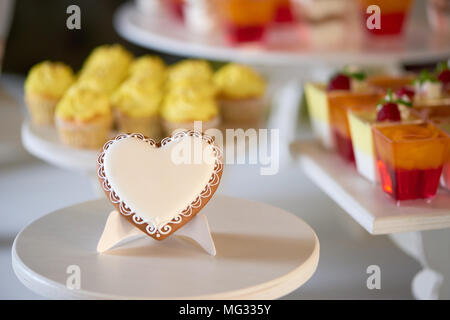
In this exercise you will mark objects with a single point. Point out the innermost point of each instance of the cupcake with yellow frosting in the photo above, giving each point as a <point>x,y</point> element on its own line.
<point>148,66</point>
<point>46,83</point>
<point>84,117</point>
<point>193,87</point>
<point>180,111</point>
<point>241,95</point>
<point>189,69</point>
<point>106,68</point>
<point>136,107</point>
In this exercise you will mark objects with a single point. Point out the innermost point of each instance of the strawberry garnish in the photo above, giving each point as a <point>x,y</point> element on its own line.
<point>443,73</point>
<point>389,112</point>
<point>388,109</point>
<point>405,91</point>
<point>444,76</point>
<point>339,82</point>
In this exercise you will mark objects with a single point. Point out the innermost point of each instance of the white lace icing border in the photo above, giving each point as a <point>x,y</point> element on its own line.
<point>206,193</point>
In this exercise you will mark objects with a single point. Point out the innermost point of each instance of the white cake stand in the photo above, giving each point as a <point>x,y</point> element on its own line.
<point>262,253</point>
<point>162,33</point>
<point>44,143</point>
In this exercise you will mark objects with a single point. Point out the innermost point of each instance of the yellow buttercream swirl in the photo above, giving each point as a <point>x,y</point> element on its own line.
<point>148,66</point>
<point>193,87</point>
<point>49,78</point>
<point>138,97</point>
<point>192,69</point>
<point>105,68</point>
<point>235,81</point>
<point>82,103</point>
<point>186,108</point>
<point>108,56</point>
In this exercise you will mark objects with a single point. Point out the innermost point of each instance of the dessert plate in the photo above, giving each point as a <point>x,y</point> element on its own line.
<point>262,253</point>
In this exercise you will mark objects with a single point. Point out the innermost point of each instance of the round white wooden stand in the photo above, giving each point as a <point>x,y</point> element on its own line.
<point>262,253</point>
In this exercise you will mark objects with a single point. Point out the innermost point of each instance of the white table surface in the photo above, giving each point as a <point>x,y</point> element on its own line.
<point>30,188</point>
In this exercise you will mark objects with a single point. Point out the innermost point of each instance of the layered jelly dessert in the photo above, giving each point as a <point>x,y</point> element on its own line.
<point>393,15</point>
<point>340,105</point>
<point>317,104</point>
<point>440,116</point>
<point>246,20</point>
<point>432,89</point>
<point>176,8</point>
<point>283,12</point>
<point>445,178</point>
<point>392,82</point>
<point>329,124</point>
<point>387,112</point>
<point>409,159</point>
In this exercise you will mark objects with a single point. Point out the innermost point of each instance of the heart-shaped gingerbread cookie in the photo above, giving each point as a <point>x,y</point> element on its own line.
<point>159,187</point>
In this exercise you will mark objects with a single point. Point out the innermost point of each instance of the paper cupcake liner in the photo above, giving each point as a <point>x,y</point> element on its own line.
<point>89,135</point>
<point>42,109</point>
<point>148,126</point>
<point>244,111</point>
<point>170,127</point>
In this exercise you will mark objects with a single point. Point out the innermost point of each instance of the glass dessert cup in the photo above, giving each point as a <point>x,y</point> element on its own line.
<point>340,102</point>
<point>385,82</point>
<point>176,7</point>
<point>361,130</point>
<point>442,120</point>
<point>410,158</point>
<point>436,113</point>
<point>283,12</point>
<point>432,107</point>
<point>393,15</point>
<point>246,20</point>
<point>317,104</point>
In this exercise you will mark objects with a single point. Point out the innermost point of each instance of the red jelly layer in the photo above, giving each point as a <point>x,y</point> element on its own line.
<point>404,184</point>
<point>446,175</point>
<point>391,23</point>
<point>284,14</point>
<point>239,34</point>
<point>344,146</point>
<point>177,8</point>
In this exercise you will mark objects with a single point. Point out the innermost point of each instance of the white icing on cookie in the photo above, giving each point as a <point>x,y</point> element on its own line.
<point>158,186</point>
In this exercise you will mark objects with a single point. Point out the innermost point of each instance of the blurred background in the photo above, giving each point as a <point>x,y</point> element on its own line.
<point>304,30</point>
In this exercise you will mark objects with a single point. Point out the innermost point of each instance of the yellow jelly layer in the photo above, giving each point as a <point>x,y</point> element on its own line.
<point>148,66</point>
<point>317,101</point>
<point>190,69</point>
<point>138,97</point>
<point>235,81</point>
<point>185,108</point>
<point>361,132</point>
<point>51,79</point>
<point>81,103</point>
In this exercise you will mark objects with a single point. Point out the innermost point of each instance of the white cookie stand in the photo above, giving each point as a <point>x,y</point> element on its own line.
<point>262,253</point>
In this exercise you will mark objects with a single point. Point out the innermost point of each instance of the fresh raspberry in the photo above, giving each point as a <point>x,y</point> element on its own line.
<point>405,91</point>
<point>444,76</point>
<point>339,82</point>
<point>389,111</point>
